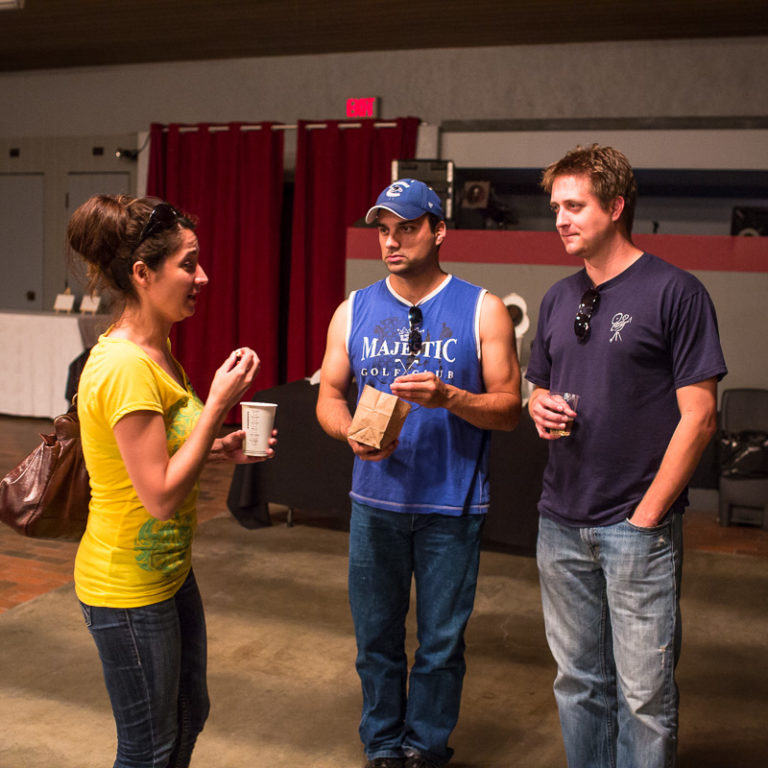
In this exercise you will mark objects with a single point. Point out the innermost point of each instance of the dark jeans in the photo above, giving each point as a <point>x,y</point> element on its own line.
<point>154,660</point>
<point>386,551</point>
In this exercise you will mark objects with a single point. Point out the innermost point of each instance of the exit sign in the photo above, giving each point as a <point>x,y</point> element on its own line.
<point>362,107</point>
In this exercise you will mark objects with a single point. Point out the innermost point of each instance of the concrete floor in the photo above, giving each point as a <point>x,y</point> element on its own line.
<point>281,651</point>
<point>282,680</point>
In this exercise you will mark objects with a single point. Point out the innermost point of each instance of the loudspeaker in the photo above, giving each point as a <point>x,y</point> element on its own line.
<point>437,174</point>
<point>749,221</point>
<point>476,194</point>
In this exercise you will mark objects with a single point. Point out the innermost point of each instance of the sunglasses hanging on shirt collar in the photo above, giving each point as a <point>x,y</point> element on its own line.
<point>414,335</point>
<point>587,307</point>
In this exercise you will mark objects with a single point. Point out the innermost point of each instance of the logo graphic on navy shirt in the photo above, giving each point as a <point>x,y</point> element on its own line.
<point>618,322</point>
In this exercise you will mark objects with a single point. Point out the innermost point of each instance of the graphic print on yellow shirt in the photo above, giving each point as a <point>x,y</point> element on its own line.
<point>162,545</point>
<point>128,558</point>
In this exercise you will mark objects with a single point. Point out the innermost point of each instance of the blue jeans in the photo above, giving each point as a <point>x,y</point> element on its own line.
<point>386,550</point>
<point>611,610</point>
<point>154,661</point>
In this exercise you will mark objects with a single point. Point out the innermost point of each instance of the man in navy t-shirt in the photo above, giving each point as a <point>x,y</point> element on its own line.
<point>418,504</point>
<point>636,338</point>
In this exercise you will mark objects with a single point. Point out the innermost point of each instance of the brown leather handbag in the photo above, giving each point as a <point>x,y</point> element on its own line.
<point>46,496</point>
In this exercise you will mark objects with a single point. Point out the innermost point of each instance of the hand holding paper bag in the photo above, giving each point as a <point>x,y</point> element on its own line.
<point>378,418</point>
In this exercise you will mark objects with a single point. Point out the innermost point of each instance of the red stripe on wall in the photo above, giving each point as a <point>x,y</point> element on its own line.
<point>691,252</point>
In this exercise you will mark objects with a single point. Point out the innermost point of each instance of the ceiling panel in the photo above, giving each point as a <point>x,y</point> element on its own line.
<point>71,33</point>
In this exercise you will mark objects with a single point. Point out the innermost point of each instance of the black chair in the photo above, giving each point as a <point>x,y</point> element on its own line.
<point>743,457</point>
<point>73,375</point>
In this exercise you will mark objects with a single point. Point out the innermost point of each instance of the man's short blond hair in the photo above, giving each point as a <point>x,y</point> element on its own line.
<point>609,172</point>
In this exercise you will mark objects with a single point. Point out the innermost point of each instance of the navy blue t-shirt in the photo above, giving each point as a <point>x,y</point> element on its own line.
<point>654,331</point>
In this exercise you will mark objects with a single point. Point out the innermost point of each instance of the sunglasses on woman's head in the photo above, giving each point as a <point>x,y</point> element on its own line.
<point>163,216</point>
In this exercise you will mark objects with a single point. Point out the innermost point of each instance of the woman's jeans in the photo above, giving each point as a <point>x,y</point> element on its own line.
<point>386,550</point>
<point>154,660</point>
<point>611,610</point>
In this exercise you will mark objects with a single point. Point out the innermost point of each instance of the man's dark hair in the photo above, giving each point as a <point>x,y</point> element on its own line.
<point>433,220</point>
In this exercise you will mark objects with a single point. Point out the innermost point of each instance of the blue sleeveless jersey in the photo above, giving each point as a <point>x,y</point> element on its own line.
<point>441,463</point>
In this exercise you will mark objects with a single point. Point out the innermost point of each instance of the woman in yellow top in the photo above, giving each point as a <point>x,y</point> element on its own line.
<point>146,436</point>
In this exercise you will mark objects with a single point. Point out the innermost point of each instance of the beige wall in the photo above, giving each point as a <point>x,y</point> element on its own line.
<point>640,79</point>
<point>55,158</point>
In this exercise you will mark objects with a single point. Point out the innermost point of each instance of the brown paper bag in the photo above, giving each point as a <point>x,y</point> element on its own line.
<point>378,418</point>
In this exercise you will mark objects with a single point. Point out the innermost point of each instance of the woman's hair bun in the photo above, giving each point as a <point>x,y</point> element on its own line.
<point>106,232</point>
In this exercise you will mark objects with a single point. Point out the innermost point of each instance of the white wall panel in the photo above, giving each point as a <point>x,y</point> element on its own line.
<point>690,149</point>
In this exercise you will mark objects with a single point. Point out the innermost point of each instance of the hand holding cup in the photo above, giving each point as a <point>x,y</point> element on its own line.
<point>553,413</point>
<point>566,403</point>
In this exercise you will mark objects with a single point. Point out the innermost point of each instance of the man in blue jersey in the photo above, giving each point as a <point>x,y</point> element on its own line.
<point>637,339</point>
<point>418,505</point>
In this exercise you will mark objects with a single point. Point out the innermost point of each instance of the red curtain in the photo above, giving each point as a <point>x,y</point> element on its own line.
<point>231,178</point>
<point>339,173</point>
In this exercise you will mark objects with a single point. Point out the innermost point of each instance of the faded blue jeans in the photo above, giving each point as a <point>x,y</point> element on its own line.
<point>386,550</point>
<point>611,609</point>
<point>154,661</point>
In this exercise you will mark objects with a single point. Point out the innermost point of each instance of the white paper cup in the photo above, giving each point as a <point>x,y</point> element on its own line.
<point>257,421</point>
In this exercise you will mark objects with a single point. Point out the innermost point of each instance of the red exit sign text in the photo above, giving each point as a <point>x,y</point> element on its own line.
<point>361,107</point>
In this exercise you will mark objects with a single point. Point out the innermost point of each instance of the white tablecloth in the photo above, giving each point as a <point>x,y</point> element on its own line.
<point>36,349</point>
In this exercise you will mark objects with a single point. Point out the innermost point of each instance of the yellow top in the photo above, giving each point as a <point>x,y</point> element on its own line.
<point>127,558</point>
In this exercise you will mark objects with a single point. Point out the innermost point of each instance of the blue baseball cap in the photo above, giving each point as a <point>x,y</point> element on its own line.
<point>408,199</point>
